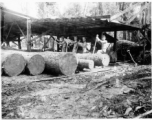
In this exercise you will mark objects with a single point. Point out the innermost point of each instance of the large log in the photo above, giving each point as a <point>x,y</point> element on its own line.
<point>35,63</point>
<point>56,62</point>
<point>60,62</point>
<point>99,59</point>
<point>12,64</point>
<point>82,63</point>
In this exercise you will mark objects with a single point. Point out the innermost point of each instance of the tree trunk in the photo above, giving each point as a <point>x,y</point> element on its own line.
<point>12,64</point>
<point>82,63</point>
<point>99,59</point>
<point>60,63</point>
<point>55,62</point>
<point>35,63</point>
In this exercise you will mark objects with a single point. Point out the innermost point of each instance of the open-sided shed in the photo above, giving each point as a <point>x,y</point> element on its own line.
<point>15,25</point>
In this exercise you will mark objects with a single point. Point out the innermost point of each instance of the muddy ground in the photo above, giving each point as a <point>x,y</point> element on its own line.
<point>123,91</point>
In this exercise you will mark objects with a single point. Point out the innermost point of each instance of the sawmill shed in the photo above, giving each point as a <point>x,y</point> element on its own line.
<point>16,25</point>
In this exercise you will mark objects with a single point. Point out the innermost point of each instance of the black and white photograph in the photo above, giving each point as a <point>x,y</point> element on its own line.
<point>75,60</point>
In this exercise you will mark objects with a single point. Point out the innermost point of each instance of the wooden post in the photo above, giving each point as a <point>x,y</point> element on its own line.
<point>19,42</point>
<point>28,34</point>
<point>101,35</point>
<point>8,43</point>
<point>149,13</point>
<point>0,23</point>
<point>115,36</point>
<point>144,51</point>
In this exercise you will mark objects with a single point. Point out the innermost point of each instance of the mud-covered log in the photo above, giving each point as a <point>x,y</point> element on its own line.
<point>99,59</point>
<point>60,62</point>
<point>12,64</point>
<point>82,63</point>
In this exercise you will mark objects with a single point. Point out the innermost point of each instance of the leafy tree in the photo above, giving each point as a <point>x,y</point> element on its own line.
<point>74,10</point>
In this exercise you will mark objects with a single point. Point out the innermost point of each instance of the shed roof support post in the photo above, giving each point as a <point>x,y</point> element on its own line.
<point>115,36</point>
<point>19,42</point>
<point>1,23</point>
<point>28,34</point>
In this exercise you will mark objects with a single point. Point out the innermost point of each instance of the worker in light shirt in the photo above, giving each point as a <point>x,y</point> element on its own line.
<point>103,42</point>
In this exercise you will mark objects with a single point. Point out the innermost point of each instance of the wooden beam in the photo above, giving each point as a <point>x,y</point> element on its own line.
<point>123,12</point>
<point>28,34</point>
<point>41,35</point>
<point>0,23</point>
<point>144,51</point>
<point>19,42</point>
<point>149,13</point>
<point>9,31</point>
<point>115,36</point>
<point>16,14</point>
<point>21,30</point>
<point>14,43</point>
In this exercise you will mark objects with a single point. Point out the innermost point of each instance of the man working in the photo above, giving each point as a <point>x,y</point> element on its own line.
<point>103,43</point>
<point>75,45</point>
<point>83,45</point>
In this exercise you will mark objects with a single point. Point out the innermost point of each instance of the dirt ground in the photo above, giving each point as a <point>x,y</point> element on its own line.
<point>123,91</point>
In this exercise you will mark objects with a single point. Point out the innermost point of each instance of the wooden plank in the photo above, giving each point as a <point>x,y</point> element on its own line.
<point>28,34</point>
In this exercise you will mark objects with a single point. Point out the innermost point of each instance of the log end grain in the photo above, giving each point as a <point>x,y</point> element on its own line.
<point>68,64</point>
<point>105,59</point>
<point>36,65</point>
<point>14,64</point>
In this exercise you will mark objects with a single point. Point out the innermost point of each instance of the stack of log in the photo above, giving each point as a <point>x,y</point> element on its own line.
<point>34,63</point>
<point>15,62</point>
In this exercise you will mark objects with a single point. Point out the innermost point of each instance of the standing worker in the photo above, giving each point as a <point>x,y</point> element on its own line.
<point>83,45</point>
<point>75,46</point>
<point>103,42</point>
